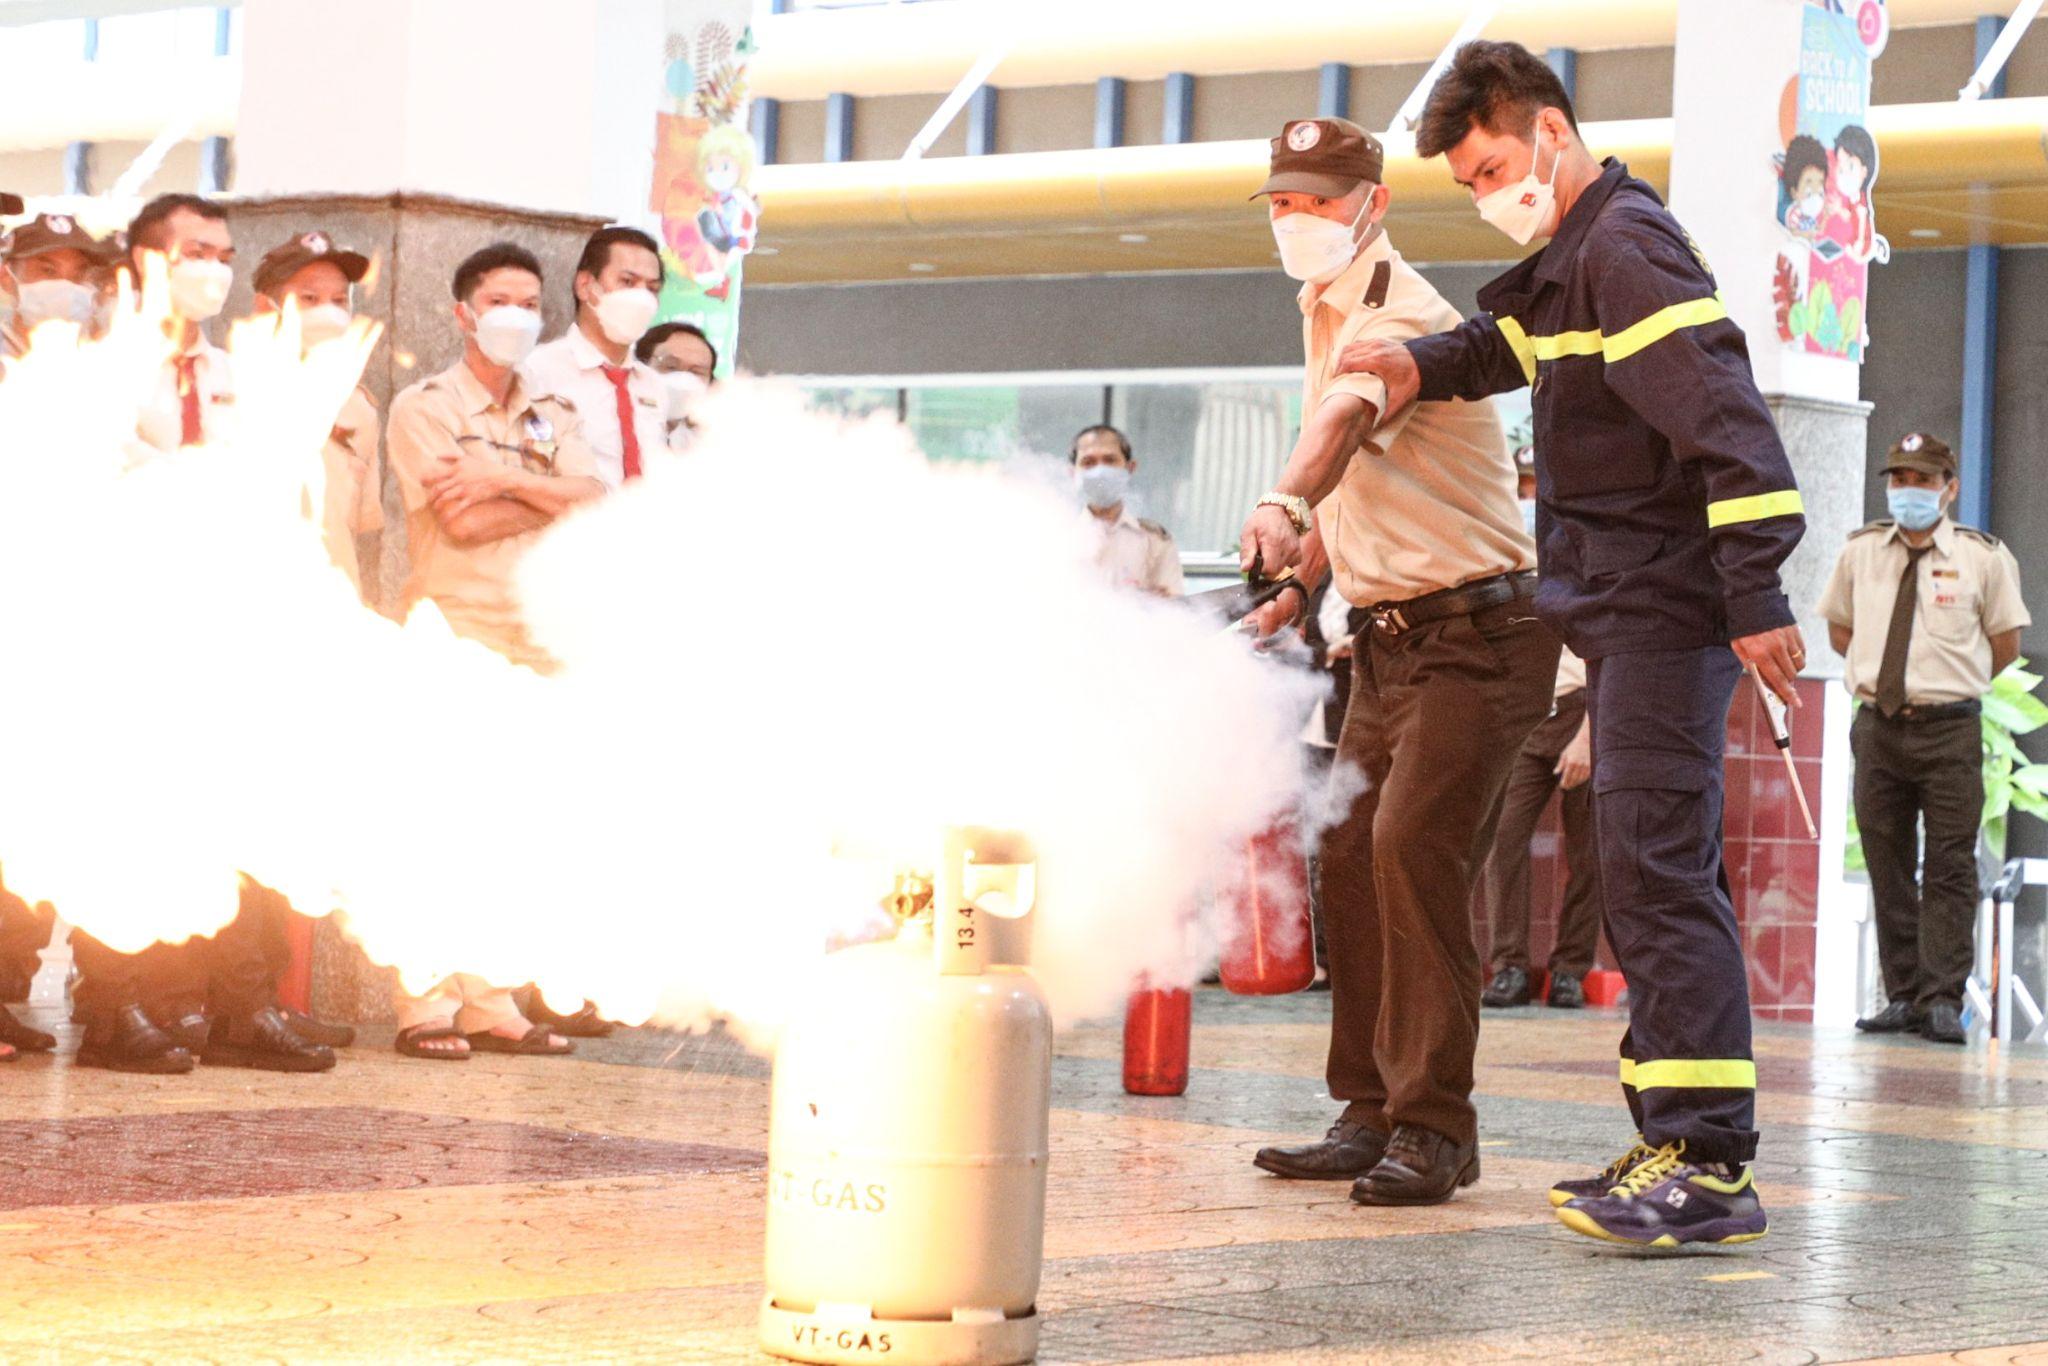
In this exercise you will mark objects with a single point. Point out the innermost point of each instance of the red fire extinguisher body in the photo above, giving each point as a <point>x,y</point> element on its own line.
<point>1268,946</point>
<point>1156,1026</point>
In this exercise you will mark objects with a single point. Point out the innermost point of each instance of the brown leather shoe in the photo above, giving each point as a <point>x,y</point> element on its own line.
<point>129,1041</point>
<point>1347,1151</point>
<point>24,1037</point>
<point>262,1039</point>
<point>1421,1167</point>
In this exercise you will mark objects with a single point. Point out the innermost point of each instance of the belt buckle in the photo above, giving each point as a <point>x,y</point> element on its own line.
<point>1389,621</point>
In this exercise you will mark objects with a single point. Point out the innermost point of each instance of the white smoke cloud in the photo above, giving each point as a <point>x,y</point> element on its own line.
<point>790,661</point>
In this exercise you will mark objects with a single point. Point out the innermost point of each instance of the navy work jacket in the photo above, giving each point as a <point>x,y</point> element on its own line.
<point>1665,503</point>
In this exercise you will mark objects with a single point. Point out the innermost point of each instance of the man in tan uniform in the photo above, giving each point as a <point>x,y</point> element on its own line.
<point>1920,661</point>
<point>317,277</point>
<point>485,464</point>
<point>483,461</point>
<point>51,268</point>
<point>1134,552</point>
<point>1417,518</point>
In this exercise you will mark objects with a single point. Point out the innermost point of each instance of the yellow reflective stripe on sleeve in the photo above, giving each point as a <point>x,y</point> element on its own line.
<point>1518,342</point>
<point>1628,341</point>
<point>1728,1074</point>
<point>1566,344</point>
<point>1754,508</point>
<point>1661,324</point>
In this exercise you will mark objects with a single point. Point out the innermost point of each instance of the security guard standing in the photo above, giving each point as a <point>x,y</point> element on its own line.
<point>1134,552</point>
<point>50,268</point>
<point>1927,613</point>
<point>1415,514</point>
<point>1665,505</point>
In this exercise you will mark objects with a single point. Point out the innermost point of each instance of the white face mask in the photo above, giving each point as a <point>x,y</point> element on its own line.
<point>1810,206</point>
<point>59,299</point>
<point>682,389</point>
<point>1849,177</point>
<point>506,334</point>
<point>624,314</point>
<point>1526,209</point>
<point>1529,515</point>
<point>1103,486</point>
<point>199,289</point>
<point>1314,249</point>
<point>323,323</point>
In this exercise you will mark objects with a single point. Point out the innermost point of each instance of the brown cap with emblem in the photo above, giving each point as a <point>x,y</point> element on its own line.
<point>1326,157</point>
<point>1927,454</point>
<point>48,232</point>
<point>281,263</point>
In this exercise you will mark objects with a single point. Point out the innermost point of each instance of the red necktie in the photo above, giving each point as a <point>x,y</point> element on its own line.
<point>191,430</point>
<point>629,440</point>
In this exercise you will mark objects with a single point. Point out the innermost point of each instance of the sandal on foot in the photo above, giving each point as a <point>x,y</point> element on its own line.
<point>534,1042</point>
<point>412,1040</point>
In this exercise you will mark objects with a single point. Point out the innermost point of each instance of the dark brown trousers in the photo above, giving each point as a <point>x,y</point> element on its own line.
<point>1436,718</point>
<point>1907,773</point>
<point>1504,887</point>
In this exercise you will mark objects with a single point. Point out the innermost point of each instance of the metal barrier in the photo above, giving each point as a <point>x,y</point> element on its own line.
<point>1995,987</point>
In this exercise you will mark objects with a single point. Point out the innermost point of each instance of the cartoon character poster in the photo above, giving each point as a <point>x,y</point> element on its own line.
<point>1826,172</point>
<point>704,161</point>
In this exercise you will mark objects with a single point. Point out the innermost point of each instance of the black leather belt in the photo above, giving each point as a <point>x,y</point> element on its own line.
<point>1392,618</point>
<point>1935,711</point>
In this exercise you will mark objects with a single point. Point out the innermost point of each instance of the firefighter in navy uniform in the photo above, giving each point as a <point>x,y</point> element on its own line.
<point>1665,506</point>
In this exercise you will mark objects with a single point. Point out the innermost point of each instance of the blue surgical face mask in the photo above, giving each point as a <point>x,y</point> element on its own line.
<point>1103,486</point>
<point>1529,515</point>
<point>1912,507</point>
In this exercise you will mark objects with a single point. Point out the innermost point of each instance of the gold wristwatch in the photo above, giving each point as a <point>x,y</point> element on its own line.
<point>1296,508</point>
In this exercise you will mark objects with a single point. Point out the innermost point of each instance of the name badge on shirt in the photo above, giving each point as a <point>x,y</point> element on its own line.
<point>540,436</point>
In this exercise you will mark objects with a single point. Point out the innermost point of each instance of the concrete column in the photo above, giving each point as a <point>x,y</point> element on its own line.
<point>543,104</point>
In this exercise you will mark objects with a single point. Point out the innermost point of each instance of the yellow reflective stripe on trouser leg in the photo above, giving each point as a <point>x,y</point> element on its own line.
<point>1727,1074</point>
<point>1754,508</point>
<point>1518,342</point>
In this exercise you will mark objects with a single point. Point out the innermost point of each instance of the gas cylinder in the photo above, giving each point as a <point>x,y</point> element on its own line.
<point>907,1136</point>
<point>1156,1025</point>
<point>1268,944</point>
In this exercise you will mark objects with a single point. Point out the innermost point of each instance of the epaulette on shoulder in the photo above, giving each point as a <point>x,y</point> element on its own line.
<point>1154,528</point>
<point>1881,524</point>
<point>1983,536</point>
<point>559,400</point>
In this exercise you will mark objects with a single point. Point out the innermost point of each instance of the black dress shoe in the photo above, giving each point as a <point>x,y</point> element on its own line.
<point>318,1031</point>
<point>1509,987</point>
<point>1896,1018</point>
<point>1421,1168</point>
<point>1566,992</point>
<point>21,1036</point>
<point>1944,1024</point>
<point>1346,1152</point>
<point>263,1040</point>
<point>190,1030</point>
<point>129,1041</point>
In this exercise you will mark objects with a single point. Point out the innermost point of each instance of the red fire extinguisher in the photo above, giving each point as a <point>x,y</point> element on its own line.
<point>1268,945</point>
<point>1156,1025</point>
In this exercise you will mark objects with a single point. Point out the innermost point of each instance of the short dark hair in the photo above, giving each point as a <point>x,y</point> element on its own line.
<point>146,231</point>
<point>1803,153</point>
<point>1123,443</point>
<point>643,350</point>
<point>1855,139</point>
<point>1496,86</point>
<point>497,256</point>
<point>597,254</point>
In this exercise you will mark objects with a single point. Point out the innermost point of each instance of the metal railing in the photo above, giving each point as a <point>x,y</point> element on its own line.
<point>1995,990</point>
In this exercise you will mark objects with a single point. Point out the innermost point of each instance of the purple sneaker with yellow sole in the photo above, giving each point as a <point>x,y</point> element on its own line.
<point>1669,1202</point>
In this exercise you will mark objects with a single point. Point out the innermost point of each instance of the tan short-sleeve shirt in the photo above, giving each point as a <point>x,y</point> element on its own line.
<point>1969,587</point>
<point>453,412</point>
<point>354,502</point>
<point>1135,553</point>
<point>1428,502</point>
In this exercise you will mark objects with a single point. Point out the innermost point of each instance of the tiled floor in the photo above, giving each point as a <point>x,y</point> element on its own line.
<point>610,1209</point>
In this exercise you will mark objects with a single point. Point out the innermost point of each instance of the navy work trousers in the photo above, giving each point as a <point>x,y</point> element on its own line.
<point>1660,721</point>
